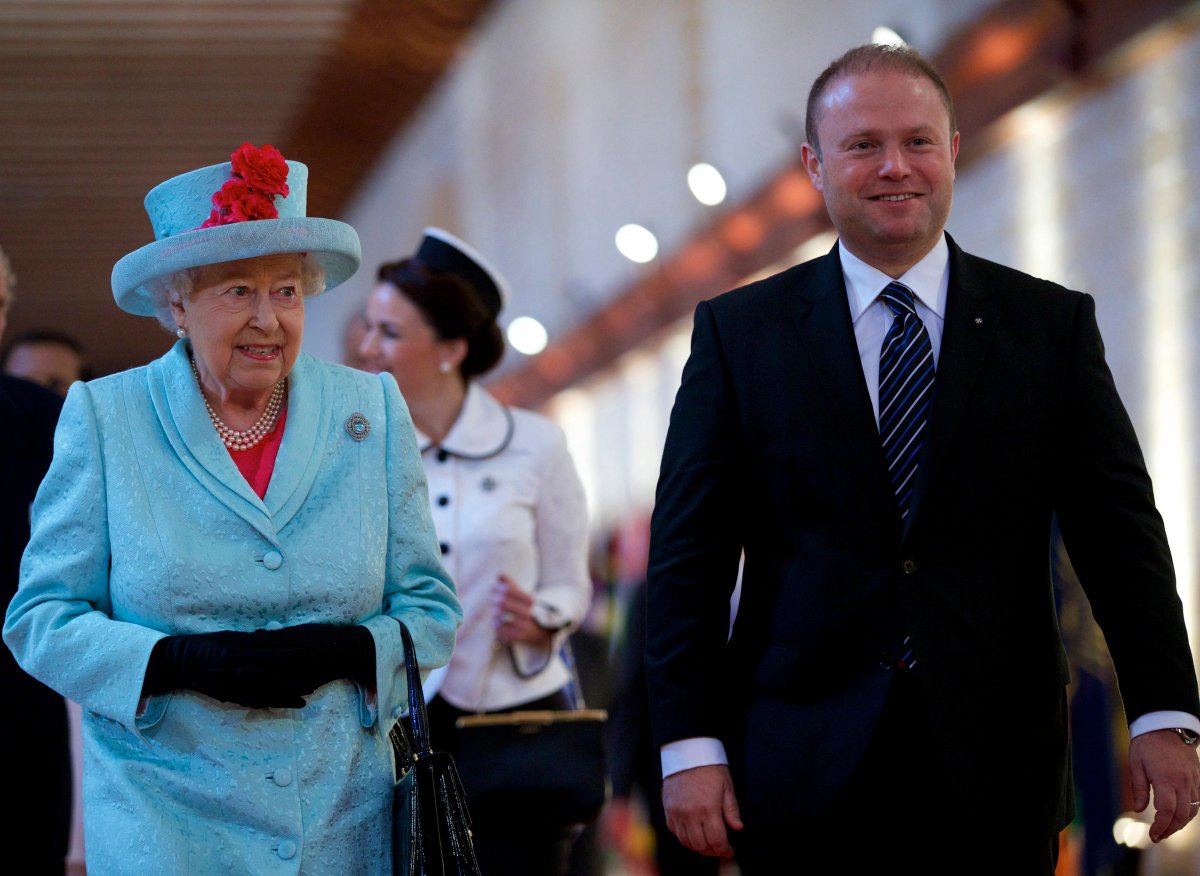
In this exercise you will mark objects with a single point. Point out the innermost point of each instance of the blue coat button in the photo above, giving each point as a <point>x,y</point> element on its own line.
<point>273,560</point>
<point>282,777</point>
<point>286,850</point>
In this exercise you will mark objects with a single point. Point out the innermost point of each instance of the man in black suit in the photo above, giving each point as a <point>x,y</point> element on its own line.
<point>33,734</point>
<point>890,459</point>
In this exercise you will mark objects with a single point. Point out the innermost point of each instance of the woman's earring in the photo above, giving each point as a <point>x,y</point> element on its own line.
<point>444,367</point>
<point>181,333</point>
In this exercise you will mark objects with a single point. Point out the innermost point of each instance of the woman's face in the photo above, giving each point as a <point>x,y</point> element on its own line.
<point>400,341</point>
<point>246,321</point>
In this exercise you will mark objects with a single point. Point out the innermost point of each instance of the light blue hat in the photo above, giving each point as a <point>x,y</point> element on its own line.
<point>179,206</point>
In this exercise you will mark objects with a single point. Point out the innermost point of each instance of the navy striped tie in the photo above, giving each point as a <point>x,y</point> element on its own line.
<point>906,372</point>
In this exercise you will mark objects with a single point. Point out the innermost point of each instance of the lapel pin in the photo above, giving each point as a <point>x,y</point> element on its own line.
<point>979,320</point>
<point>488,484</point>
<point>358,427</point>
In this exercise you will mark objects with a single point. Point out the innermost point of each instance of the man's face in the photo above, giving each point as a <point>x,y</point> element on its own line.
<point>887,166</point>
<point>53,365</point>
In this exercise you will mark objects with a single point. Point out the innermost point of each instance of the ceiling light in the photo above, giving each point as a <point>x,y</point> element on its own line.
<point>527,335</point>
<point>706,184</point>
<point>885,36</point>
<point>636,243</point>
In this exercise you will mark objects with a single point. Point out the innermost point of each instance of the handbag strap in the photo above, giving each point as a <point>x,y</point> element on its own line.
<point>418,717</point>
<point>573,687</point>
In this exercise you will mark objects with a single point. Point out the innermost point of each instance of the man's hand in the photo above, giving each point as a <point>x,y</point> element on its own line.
<point>1160,760</point>
<point>699,804</point>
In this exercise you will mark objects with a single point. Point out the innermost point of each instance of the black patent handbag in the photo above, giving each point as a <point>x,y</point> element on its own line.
<point>431,827</point>
<point>551,765</point>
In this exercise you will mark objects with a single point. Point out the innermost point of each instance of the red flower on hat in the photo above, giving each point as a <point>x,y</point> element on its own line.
<point>259,175</point>
<point>242,203</point>
<point>262,168</point>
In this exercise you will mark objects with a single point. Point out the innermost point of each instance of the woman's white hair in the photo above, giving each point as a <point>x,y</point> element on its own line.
<point>179,286</point>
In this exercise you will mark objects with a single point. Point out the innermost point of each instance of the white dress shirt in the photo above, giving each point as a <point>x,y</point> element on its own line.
<point>929,280</point>
<point>506,499</point>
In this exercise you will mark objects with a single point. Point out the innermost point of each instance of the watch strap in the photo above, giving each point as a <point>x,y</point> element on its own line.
<point>1189,737</point>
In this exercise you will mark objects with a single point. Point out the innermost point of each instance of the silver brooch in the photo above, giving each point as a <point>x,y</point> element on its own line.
<point>358,427</point>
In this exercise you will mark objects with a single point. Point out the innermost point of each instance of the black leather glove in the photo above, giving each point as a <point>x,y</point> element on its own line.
<point>265,668</point>
<point>325,652</point>
<point>228,666</point>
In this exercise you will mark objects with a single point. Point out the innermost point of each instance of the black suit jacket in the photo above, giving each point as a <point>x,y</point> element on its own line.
<point>773,448</point>
<point>35,731</point>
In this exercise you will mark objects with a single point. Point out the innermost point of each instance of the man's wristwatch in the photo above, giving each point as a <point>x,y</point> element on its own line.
<point>1189,737</point>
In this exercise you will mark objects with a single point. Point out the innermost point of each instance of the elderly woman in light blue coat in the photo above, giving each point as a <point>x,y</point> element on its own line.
<point>222,549</point>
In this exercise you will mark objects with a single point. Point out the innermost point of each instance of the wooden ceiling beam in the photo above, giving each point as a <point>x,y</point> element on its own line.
<point>370,86</point>
<point>102,99</point>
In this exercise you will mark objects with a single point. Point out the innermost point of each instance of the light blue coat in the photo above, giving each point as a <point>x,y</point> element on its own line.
<point>144,527</point>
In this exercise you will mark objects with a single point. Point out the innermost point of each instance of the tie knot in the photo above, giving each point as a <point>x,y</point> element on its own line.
<point>899,298</point>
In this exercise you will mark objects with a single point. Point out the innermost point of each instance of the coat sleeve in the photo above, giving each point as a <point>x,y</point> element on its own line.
<point>1116,538</point>
<point>564,589</point>
<point>695,545</point>
<point>417,588</point>
<point>59,625</point>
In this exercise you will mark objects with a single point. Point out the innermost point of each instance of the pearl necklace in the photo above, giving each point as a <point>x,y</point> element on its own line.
<point>244,440</point>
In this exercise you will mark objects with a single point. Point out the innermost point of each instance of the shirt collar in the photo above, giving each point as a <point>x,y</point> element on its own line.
<point>483,427</point>
<point>928,279</point>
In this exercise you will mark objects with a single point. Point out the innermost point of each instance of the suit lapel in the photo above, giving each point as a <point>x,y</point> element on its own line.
<point>821,315</point>
<point>971,320</point>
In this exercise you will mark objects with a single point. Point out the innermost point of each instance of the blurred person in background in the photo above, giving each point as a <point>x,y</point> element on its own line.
<point>34,733</point>
<point>635,767</point>
<point>50,358</point>
<point>222,548</point>
<point>509,510</point>
<point>633,822</point>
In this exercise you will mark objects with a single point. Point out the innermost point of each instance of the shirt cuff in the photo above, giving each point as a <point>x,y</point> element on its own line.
<point>548,617</point>
<point>1163,721</point>
<point>686,754</point>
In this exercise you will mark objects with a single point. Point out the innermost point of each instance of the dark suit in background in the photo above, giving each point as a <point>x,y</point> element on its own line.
<point>633,756</point>
<point>33,734</point>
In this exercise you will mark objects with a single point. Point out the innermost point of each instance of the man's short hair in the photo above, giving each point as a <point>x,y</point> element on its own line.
<point>873,59</point>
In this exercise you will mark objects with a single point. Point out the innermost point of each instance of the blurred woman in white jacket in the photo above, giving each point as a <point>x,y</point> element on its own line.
<point>508,508</point>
